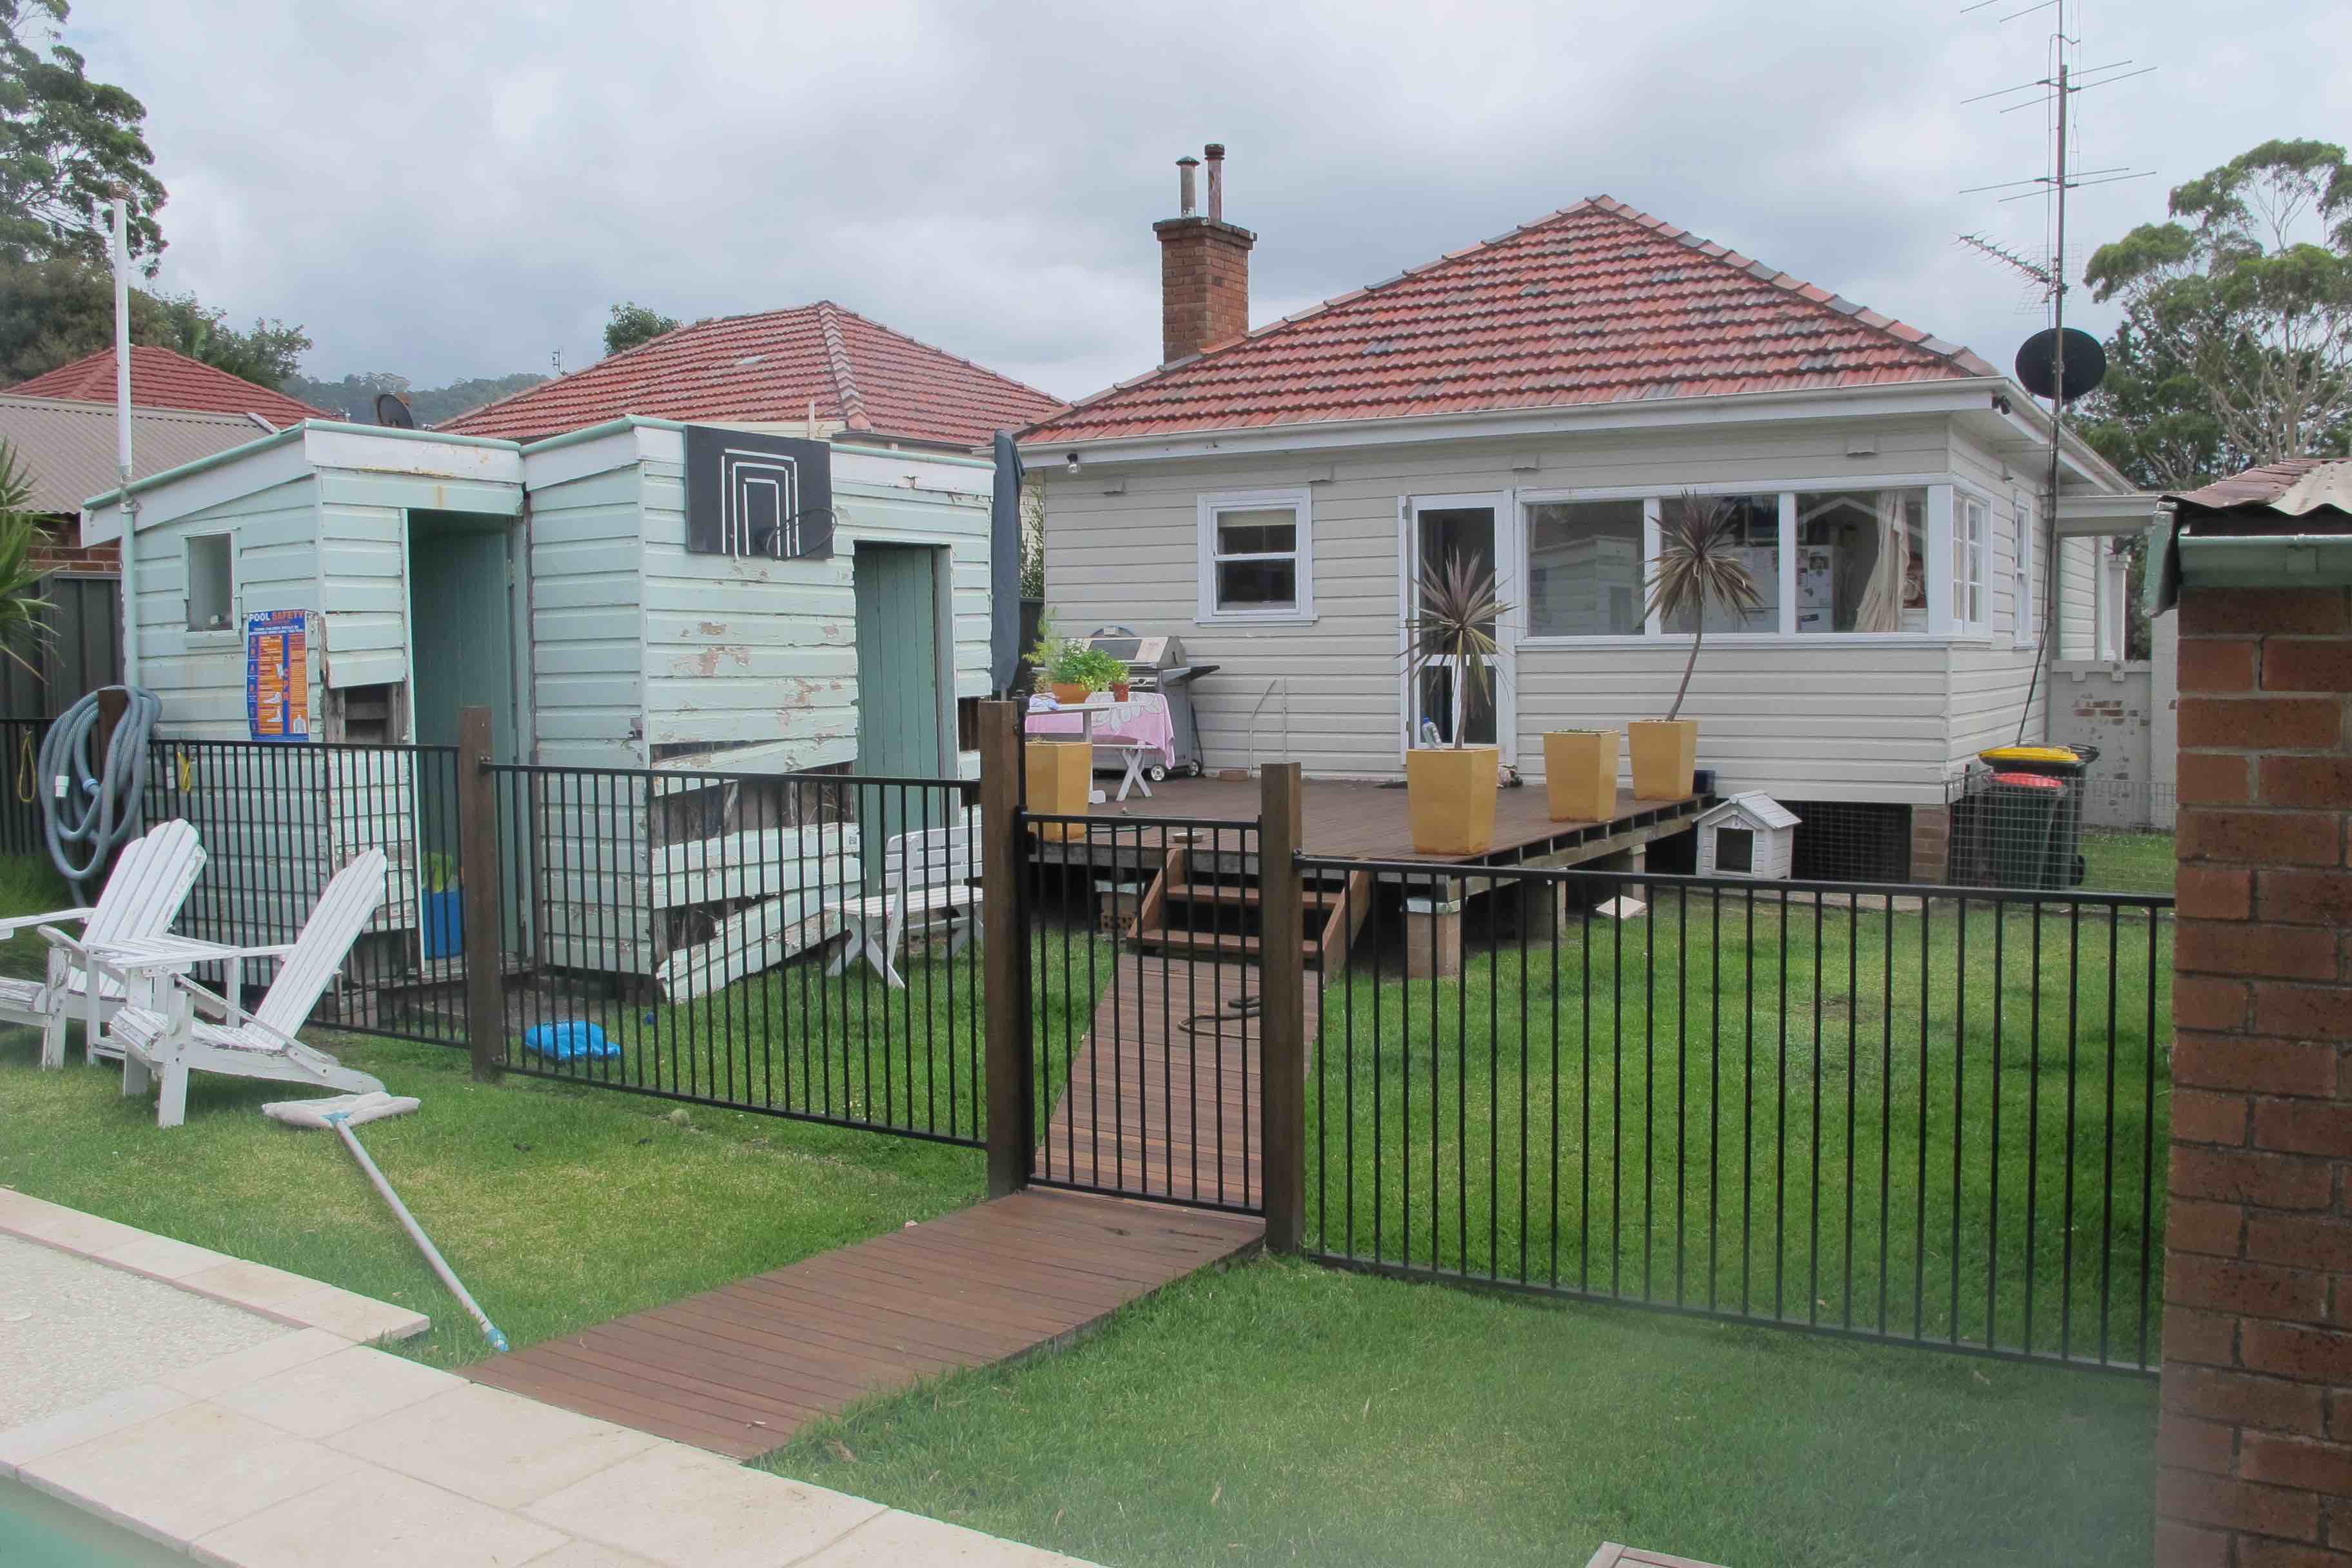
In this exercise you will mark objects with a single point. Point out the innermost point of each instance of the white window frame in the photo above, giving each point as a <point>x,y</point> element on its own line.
<point>2025,629</point>
<point>188,583</point>
<point>1981,575</point>
<point>1940,489</point>
<point>1301,501</point>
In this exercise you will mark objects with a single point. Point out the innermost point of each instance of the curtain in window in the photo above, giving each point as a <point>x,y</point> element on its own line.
<point>1882,599</point>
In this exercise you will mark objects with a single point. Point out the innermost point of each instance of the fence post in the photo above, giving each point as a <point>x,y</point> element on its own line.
<point>1282,1009</point>
<point>1002,945</point>
<point>477,870</point>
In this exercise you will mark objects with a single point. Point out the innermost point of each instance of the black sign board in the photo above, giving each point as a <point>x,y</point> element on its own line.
<point>751,494</point>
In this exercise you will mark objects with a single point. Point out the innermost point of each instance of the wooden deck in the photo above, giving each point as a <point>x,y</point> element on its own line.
<point>1162,1097</point>
<point>1370,822</point>
<point>740,1369</point>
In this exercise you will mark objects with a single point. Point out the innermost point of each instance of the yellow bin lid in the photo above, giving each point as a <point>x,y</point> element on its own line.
<point>2001,755</point>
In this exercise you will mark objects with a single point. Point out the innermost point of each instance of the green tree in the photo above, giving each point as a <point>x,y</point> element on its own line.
<point>266,355</point>
<point>66,145</point>
<point>60,310</point>
<point>632,323</point>
<point>2236,344</point>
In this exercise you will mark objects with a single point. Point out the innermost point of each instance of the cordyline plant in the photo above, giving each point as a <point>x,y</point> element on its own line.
<point>1454,630</point>
<point>1697,569</point>
<point>21,604</point>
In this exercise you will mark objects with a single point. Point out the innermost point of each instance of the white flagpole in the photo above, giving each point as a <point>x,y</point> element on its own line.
<point>121,257</point>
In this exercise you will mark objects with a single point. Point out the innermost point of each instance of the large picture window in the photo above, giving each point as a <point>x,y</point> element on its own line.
<point>1256,557</point>
<point>1754,523</point>
<point>1861,560</point>
<point>1584,569</point>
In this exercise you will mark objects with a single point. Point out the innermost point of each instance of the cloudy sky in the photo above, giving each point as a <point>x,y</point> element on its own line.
<point>464,187</point>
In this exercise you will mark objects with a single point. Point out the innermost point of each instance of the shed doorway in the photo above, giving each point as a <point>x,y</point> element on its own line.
<point>901,721</point>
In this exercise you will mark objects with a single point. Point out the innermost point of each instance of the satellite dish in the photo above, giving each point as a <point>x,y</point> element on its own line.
<point>393,410</point>
<point>2085,363</point>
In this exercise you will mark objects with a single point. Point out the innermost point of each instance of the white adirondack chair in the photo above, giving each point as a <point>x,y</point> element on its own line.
<point>926,879</point>
<point>173,1043</point>
<point>142,897</point>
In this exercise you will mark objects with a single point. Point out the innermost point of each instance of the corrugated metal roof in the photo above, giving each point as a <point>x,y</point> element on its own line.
<point>1596,303</point>
<point>770,367</point>
<point>68,446</point>
<point>163,378</point>
<point>2292,487</point>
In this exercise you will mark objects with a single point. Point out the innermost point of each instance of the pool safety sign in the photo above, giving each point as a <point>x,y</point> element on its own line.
<point>277,675</point>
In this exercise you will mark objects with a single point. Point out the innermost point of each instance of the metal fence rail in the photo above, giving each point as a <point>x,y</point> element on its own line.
<point>1143,950</point>
<point>277,821</point>
<point>1911,1112</point>
<point>727,939</point>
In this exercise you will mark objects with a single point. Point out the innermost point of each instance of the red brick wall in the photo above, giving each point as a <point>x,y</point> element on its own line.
<point>1203,284</point>
<point>2254,1446</point>
<point>56,551</point>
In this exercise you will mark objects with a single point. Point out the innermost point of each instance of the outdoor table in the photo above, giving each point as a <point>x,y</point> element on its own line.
<point>148,965</point>
<point>1110,710</point>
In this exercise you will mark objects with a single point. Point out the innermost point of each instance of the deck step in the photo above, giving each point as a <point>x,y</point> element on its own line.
<point>1215,944</point>
<point>1247,896</point>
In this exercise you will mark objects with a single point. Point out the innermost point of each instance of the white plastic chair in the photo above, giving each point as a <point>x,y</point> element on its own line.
<point>926,879</point>
<point>169,1045</point>
<point>142,899</point>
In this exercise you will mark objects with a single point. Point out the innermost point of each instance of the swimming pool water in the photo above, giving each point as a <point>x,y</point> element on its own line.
<point>36,1530</point>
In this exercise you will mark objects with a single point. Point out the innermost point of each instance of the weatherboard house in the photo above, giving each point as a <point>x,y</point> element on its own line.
<point>1273,495</point>
<point>757,544</point>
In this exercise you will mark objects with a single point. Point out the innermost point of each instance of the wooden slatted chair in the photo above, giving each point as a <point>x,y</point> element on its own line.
<point>142,899</point>
<point>169,1045</point>
<point>925,881</point>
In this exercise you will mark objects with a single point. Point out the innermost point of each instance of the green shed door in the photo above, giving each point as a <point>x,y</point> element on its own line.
<point>897,660</point>
<point>897,691</point>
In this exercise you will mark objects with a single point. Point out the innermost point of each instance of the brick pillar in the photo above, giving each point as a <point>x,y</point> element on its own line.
<point>1931,843</point>
<point>2254,1445</point>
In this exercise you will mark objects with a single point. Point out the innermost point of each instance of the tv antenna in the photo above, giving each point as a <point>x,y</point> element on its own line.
<point>2060,364</point>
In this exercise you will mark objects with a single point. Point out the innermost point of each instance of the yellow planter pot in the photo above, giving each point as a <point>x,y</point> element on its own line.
<point>1666,751</point>
<point>1451,795</point>
<point>1061,776</point>
<point>1580,775</point>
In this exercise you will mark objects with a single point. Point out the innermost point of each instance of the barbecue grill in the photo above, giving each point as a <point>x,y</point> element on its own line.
<point>1157,664</point>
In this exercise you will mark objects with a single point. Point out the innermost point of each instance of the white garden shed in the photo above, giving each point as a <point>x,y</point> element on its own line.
<point>1750,835</point>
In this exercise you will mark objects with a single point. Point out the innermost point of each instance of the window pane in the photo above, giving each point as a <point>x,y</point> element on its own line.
<point>1861,556</point>
<point>1584,569</point>
<point>1271,532</point>
<point>1755,524</point>
<point>1257,585</point>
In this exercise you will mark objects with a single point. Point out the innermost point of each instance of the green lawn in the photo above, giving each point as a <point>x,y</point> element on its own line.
<point>1773,1112</point>
<point>2127,862</point>
<point>1279,1413</point>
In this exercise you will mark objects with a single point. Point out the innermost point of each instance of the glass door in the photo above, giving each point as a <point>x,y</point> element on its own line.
<point>1442,701</point>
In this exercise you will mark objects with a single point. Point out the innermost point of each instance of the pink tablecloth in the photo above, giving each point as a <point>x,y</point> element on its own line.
<point>1141,721</point>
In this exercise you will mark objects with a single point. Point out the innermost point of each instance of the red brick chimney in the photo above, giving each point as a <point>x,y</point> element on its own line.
<point>1203,267</point>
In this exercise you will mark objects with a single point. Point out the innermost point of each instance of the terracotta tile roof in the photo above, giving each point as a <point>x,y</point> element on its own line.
<point>2275,493</point>
<point>163,378</point>
<point>768,367</point>
<point>1596,303</point>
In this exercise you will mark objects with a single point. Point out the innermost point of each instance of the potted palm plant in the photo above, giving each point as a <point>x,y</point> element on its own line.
<point>1698,570</point>
<point>1450,789</point>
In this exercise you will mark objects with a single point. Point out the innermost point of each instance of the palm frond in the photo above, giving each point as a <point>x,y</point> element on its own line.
<point>1453,629</point>
<point>1698,568</point>
<point>23,619</point>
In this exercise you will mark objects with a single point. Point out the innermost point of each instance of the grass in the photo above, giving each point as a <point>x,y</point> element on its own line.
<point>1871,1119</point>
<point>1278,1413</point>
<point>2127,862</point>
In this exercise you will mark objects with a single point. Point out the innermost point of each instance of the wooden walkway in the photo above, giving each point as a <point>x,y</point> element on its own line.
<point>740,1369</point>
<point>1162,1099</point>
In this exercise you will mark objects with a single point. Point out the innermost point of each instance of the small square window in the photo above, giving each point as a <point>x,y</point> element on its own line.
<point>1256,557</point>
<point>212,588</point>
<point>1735,849</point>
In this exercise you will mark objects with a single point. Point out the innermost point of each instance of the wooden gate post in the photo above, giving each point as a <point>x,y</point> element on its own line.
<point>1282,1009</point>
<point>1003,982</point>
<point>478,871</point>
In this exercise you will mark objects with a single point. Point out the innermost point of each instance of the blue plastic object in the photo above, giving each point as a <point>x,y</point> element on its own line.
<point>575,1041</point>
<point>445,922</point>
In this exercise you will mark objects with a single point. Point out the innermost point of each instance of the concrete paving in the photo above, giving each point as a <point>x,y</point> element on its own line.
<point>278,1443</point>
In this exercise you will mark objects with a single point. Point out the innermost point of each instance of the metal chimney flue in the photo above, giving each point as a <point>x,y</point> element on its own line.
<point>1188,202</point>
<point>1215,153</point>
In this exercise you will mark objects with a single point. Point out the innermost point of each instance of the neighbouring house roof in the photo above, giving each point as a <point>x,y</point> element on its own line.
<point>1596,303</point>
<point>770,367</point>
<point>163,378</point>
<point>2290,488</point>
<point>68,447</point>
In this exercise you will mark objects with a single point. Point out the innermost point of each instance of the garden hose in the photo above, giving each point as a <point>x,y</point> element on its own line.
<point>88,812</point>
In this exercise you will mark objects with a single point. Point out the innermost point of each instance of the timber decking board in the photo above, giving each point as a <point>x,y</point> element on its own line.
<point>739,1369</point>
